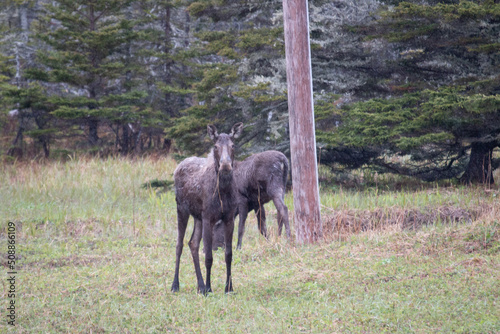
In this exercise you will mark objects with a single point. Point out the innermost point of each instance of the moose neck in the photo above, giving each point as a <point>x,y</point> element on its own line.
<point>224,179</point>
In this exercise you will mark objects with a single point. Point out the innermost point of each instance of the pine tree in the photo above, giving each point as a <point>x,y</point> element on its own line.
<point>6,73</point>
<point>243,77</point>
<point>240,75</point>
<point>166,27</point>
<point>17,54</point>
<point>89,60</point>
<point>441,107</point>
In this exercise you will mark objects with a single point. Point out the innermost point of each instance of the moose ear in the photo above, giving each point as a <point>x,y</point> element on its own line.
<point>212,132</point>
<point>236,130</point>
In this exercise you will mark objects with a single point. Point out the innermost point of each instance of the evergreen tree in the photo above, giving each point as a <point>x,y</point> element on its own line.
<point>165,51</point>
<point>6,73</point>
<point>242,63</point>
<point>89,60</point>
<point>343,61</point>
<point>238,65</point>
<point>33,110</point>
<point>17,54</point>
<point>442,109</point>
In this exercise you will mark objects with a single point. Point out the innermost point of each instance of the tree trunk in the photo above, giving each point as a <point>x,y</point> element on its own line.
<point>20,132</point>
<point>23,18</point>
<point>170,104</point>
<point>93,137</point>
<point>125,139</point>
<point>479,169</point>
<point>167,144</point>
<point>45,146</point>
<point>167,79</point>
<point>41,121</point>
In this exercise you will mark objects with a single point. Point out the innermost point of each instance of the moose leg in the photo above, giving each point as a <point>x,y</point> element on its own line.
<point>279,203</point>
<point>194,245</point>
<point>261,220</point>
<point>229,253</point>
<point>243,213</point>
<point>207,244</point>
<point>182,220</point>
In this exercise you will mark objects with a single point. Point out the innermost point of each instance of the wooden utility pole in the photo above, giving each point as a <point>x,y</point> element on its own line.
<point>306,201</point>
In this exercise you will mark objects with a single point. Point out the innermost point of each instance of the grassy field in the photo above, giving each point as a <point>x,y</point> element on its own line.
<point>96,254</point>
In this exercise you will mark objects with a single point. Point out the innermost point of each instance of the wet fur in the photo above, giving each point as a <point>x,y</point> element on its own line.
<point>208,193</point>
<point>260,178</point>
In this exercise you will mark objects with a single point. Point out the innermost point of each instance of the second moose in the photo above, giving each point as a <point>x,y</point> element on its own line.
<point>260,178</point>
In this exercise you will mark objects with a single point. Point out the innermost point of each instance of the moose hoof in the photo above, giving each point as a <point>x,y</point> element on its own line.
<point>229,289</point>
<point>205,291</point>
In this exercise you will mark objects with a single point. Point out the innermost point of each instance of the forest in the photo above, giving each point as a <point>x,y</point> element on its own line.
<point>403,87</point>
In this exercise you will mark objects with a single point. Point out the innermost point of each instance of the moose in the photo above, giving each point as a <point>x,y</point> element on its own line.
<point>259,179</point>
<point>205,189</point>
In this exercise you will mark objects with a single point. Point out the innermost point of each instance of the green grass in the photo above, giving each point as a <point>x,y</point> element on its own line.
<point>97,253</point>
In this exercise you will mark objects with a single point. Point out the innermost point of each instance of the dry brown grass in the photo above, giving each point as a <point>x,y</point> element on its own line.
<point>343,223</point>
